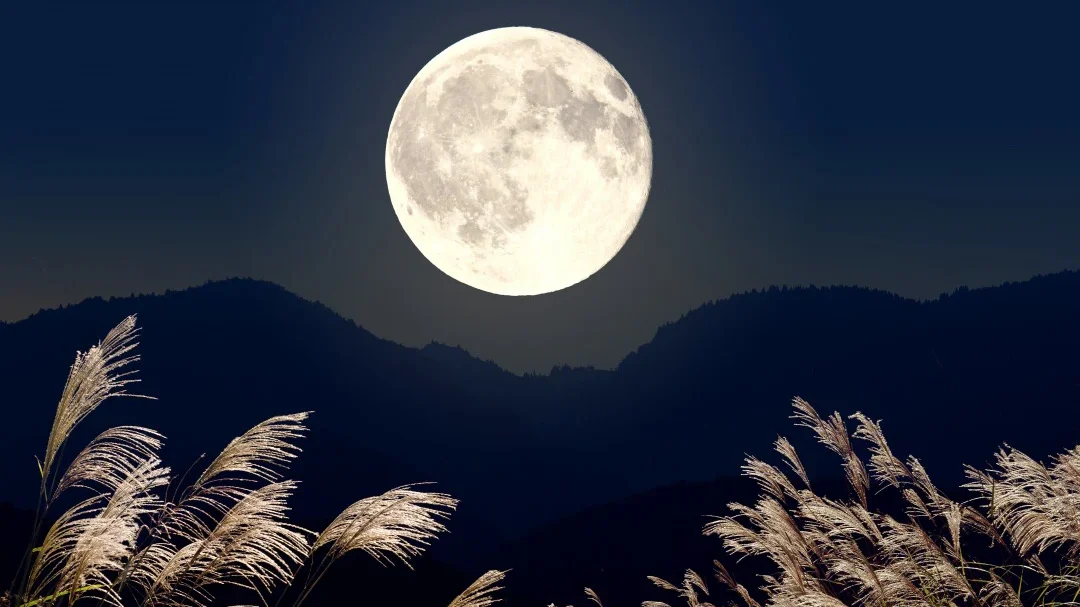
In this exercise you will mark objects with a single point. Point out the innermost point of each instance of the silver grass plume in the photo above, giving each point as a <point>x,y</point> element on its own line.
<point>772,532</point>
<point>691,590</point>
<point>397,524</point>
<point>109,539</point>
<point>478,594</point>
<point>214,530</point>
<point>96,537</point>
<point>784,447</point>
<point>935,500</point>
<point>110,459</point>
<point>769,478</point>
<point>886,467</point>
<point>94,377</point>
<point>252,546</point>
<point>1037,506</point>
<point>832,432</point>
<point>262,453</point>
<point>59,543</point>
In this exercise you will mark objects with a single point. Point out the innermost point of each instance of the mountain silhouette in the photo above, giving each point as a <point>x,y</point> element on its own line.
<point>952,379</point>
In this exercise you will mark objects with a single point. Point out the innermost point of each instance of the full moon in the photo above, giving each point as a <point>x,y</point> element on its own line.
<point>519,161</point>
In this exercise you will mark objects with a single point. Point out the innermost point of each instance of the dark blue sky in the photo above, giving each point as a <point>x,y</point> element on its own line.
<point>915,148</point>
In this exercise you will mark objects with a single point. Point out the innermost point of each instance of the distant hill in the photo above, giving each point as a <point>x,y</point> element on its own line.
<point>952,378</point>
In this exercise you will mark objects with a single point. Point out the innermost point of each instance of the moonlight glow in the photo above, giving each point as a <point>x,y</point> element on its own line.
<point>519,161</point>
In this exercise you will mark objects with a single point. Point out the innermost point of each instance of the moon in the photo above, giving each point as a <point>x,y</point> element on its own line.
<point>519,161</point>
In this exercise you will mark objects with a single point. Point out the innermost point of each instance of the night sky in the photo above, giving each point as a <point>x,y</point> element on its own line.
<point>912,147</point>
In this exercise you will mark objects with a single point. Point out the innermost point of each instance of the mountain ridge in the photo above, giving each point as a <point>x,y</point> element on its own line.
<point>457,349</point>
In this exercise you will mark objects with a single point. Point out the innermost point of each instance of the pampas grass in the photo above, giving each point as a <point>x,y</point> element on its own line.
<point>1017,543</point>
<point>478,594</point>
<point>135,539</point>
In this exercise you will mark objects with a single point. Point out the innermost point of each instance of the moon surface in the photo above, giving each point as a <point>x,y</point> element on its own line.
<point>519,161</point>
